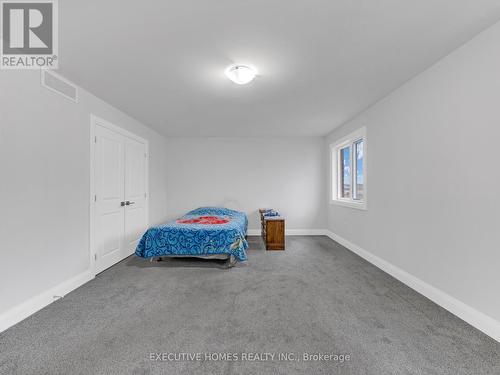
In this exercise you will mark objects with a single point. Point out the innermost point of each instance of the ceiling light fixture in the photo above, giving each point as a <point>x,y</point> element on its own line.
<point>241,74</point>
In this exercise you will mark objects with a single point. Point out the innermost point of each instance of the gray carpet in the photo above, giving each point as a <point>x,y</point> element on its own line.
<point>316,297</point>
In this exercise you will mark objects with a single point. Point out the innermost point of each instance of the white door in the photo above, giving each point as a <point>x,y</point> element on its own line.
<point>109,195</point>
<point>120,202</point>
<point>135,193</point>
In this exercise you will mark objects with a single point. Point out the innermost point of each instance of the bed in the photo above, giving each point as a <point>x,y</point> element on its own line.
<point>206,232</point>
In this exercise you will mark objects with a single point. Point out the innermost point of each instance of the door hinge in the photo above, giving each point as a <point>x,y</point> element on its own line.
<point>145,195</point>
<point>95,139</point>
<point>95,256</point>
<point>95,198</point>
<point>145,155</point>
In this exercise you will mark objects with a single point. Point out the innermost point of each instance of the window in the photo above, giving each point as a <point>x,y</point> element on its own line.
<point>348,158</point>
<point>358,167</point>
<point>345,172</point>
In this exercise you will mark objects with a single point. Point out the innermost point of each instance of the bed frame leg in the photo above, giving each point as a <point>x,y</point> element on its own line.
<point>160,259</point>
<point>231,261</point>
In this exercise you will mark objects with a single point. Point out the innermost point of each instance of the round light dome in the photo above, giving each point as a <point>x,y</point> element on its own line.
<point>240,74</point>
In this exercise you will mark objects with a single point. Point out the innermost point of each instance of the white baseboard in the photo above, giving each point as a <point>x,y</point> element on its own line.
<point>475,318</point>
<point>294,232</point>
<point>31,306</point>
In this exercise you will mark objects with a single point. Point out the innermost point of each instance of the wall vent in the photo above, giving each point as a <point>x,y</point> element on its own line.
<point>61,85</point>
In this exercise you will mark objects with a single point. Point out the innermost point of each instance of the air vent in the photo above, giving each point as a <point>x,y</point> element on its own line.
<point>58,84</point>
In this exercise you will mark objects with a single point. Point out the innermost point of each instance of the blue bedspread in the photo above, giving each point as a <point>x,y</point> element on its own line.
<point>204,231</point>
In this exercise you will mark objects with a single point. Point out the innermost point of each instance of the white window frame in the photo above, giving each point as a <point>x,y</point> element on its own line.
<point>335,170</point>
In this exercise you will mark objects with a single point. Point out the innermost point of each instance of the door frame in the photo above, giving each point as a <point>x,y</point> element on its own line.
<point>94,122</point>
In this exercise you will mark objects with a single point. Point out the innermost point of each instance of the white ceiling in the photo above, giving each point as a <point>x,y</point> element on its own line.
<point>320,62</point>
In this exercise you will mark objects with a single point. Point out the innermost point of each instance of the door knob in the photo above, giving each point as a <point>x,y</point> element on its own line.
<point>128,203</point>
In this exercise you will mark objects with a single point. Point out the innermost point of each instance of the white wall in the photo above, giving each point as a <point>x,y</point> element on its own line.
<point>44,184</point>
<point>434,177</point>
<point>248,173</point>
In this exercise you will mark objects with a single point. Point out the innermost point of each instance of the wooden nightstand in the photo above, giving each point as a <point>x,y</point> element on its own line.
<point>273,231</point>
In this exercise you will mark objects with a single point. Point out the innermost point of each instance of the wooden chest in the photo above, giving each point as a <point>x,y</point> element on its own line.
<point>273,231</point>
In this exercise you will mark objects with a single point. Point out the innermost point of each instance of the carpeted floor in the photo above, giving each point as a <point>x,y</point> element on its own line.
<point>316,297</point>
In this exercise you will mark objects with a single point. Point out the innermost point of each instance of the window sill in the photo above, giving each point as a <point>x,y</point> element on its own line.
<point>358,206</point>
